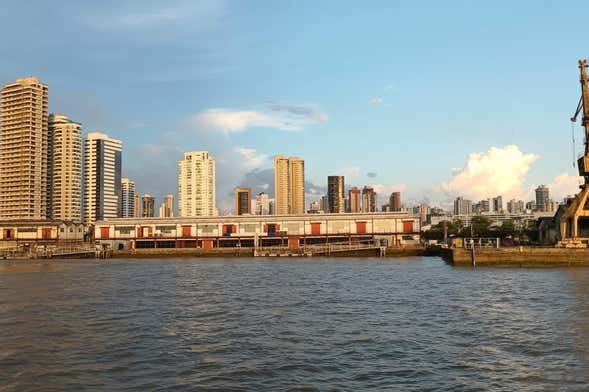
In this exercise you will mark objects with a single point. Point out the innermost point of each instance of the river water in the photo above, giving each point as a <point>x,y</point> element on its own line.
<point>300,325</point>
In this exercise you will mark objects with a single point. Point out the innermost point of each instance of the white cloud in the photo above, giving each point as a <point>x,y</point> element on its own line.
<point>499,171</point>
<point>564,185</point>
<point>349,172</point>
<point>286,118</point>
<point>376,101</point>
<point>385,190</point>
<point>142,16</point>
<point>251,159</point>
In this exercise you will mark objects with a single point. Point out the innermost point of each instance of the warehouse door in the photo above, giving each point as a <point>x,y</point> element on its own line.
<point>316,228</point>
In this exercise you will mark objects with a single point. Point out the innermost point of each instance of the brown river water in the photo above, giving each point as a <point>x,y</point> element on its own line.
<point>414,324</point>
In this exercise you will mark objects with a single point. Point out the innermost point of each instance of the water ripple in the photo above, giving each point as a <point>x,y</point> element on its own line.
<point>305,325</point>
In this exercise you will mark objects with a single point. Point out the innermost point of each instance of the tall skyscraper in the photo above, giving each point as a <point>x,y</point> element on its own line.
<point>136,206</point>
<point>243,201</point>
<point>289,185</point>
<point>147,206</point>
<point>368,199</point>
<point>462,206</point>
<point>167,208</point>
<point>498,204</point>
<point>196,184</point>
<point>354,197</point>
<point>542,197</point>
<point>24,145</point>
<point>65,168</point>
<point>335,194</point>
<point>395,201</point>
<point>128,198</point>
<point>262,204</point>
<point>102,177</point>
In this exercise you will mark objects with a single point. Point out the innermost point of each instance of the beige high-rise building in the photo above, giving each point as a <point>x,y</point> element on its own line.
<point>243,201</point>
<point>136,204</point>
<point>24,158</point>
<point>147,206</point>
<point>65,174</point>
<point>167,208</point>
<point>289,185</point>
<point>196,185</point>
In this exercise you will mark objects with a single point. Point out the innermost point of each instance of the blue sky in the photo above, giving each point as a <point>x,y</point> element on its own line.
<point>405,91</point>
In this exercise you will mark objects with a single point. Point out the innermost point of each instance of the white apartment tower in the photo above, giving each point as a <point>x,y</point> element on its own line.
<point>65,168</point>
<point>102,177</point>
<point>196,184</point>
<point>24,157</point>
<point>127,198</point>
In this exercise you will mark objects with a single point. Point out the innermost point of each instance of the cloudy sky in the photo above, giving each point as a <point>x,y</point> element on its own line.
<point>435,99</point>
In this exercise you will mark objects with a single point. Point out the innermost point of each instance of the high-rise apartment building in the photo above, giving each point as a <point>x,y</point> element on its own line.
<point>262,204</point>
<point>128,198</point>
<point>166,210</point>
<point>335,194</point>
<point>498,204</point>
<point>354,197</point>
<point>243,201</point>
<point>65,168</point>
<point>102,177</point>
<point>147,206</point>
<point>324,204</point>
<point>542,197</point>
<point>196,184</point>
<point>462,206</point>
<point>395,201</point>
<point>368,199</point>
<point>515,207</point>
<point>24,150</point>
<point>136,205</point>
<point>289,185</point>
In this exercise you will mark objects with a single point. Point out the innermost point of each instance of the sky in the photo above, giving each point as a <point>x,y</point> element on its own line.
<point>435,99</point>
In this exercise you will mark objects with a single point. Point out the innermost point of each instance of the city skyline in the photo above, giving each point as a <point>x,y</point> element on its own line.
<point>348,103</point>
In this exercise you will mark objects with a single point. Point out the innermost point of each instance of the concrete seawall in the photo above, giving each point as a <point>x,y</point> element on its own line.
<point>249,252</point>
<point>519,257</point>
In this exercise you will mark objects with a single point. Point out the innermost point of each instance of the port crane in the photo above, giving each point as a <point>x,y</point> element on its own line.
<point>583,106</point>
<point>573,220</point>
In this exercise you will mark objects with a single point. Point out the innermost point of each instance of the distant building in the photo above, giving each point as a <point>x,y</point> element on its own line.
<point>354,199</point>
<point>498,204</point>
<point>462,206</point>
<point>289,185</point>
<point>102,177</point>
<point>271,207</point>
<point>324,203</point>
<point>424,213</point>
<point>65,172</point>
<point>243,201</point>
<point>395,201</point>
<point>196,185</point>
<point>542,198</point>
<point>166,210</point>
<point>515,206</point>
<point>347,205</point>
<point>368,199</point>
<point>24,151</point>
<point>531,206</point>
<point>128,196</point>
<point>315,208</point>
<point>262,204</point>
<point>136,206</point>
<point>147,206</point>
<point>335,194</point>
